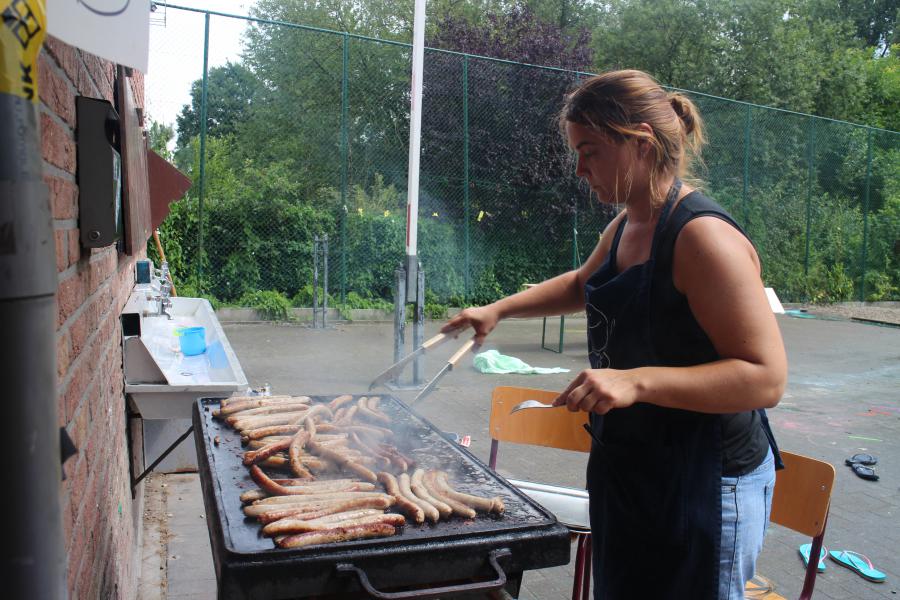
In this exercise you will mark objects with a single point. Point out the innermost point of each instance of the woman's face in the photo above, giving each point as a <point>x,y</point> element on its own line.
<point>609,168</point>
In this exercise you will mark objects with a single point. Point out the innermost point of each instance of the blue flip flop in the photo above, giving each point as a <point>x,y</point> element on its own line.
<point>859,563</point>
<point>804,552</point>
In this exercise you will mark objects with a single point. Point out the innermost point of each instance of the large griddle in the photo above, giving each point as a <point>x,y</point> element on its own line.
<point>486,553</point>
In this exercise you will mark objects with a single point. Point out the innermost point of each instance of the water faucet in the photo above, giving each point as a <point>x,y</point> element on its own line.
<point>165,289</point>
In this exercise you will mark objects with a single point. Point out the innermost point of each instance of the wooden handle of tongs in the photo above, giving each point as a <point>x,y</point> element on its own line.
<point>441,338</point>
<point>462,351</point>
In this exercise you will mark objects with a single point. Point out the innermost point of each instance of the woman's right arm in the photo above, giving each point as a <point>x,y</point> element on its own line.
<point>557,296</point>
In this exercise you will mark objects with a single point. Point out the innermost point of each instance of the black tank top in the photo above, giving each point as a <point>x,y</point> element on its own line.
<point>680,341</point>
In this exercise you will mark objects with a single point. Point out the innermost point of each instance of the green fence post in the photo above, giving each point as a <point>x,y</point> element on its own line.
<point>810,157</point>
<point>744,200</point>
<point>345,159</point>
<point>575,257</point>
<point>203,97</point>
<point>468,265</point>
<point>865,240</point>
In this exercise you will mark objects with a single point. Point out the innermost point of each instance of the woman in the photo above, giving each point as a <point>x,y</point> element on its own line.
<point>684,350</point>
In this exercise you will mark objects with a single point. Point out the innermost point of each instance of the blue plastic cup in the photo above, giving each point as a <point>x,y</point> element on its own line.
<point>192,340</point>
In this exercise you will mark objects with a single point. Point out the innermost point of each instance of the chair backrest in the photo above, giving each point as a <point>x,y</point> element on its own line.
<point>556,428</point>
<point>802,494</point>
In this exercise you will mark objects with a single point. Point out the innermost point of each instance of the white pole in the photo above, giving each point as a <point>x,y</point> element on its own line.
<point>415,134</point>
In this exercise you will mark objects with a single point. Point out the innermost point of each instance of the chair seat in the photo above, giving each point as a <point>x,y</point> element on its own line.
<point>568,505</point>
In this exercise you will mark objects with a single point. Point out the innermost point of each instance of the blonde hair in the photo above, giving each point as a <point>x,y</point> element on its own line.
<point>616,102</point>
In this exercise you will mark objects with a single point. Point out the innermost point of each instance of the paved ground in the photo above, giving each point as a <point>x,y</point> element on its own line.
<point>843,397</point>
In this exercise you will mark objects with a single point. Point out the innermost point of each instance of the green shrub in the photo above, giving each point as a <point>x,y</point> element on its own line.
<point>271,305</point>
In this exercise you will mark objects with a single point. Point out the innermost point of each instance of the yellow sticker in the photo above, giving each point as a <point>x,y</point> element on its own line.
<point>480,215</point>
<point>23,24</point>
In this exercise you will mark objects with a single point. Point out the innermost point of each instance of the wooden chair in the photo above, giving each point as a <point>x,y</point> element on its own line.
<point>801,502</point>
<point>553,429</point>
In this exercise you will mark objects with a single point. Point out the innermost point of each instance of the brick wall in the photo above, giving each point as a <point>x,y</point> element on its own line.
<point>99,517</point>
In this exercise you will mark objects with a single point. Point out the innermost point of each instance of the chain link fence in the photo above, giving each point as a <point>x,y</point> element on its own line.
<point>306,133</point>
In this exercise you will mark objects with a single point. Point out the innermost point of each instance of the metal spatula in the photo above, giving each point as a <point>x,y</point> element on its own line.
<point>530,404</point>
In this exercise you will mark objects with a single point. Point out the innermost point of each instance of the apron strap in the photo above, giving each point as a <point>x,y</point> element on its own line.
<point>664,215</point>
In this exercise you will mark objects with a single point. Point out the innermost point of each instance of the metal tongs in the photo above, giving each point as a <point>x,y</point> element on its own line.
<point>395,369</point>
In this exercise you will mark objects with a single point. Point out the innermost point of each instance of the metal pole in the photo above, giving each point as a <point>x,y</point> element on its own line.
<point>325,282</point>
<point>315,289</point>
<point>203,98</point>
<point>865,240</point>
<point>810,173</point>
<point>399,313</point>
<point>345,160</point>
<point>415,133</point>
<point>575,258</point>
<point>467,278</point>
<point>744,201</point>
<point>33,550</point>
<point>419,326</point>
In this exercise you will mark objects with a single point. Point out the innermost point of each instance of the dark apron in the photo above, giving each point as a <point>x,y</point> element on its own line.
<point>654,473</point>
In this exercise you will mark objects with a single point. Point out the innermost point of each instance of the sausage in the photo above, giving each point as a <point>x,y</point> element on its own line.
<point>311,462</point>
<point>431,513</point>
<point>317,503</point>
<point>255,434</point>
<point>266,411</point>
<point>343,462</point>
<point>288,526</point>
<point>269,486</point>
<point>305,512</point>
<point>238,404</point>
<point>346,486</point>
<point>240,422</point>
<point>340,401</point>
<point>310,522</point>
<point>295,451</point>
<point>319,409</point>
<point>338,534</point>
<point>381,459</point>
<point>420,490</point>
<point>369,414</point>
<point>254,456</point>
<point>412,510</point>
<point>326,496</point>
<point>458,507</point>
<point>494,504</point>
<point>347,419</point>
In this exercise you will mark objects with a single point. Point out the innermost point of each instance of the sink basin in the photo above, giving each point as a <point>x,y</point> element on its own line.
<point>162,382</point>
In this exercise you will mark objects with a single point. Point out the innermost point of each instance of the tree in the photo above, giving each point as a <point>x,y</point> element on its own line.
<point>159,136</point>
<point>232,90</point>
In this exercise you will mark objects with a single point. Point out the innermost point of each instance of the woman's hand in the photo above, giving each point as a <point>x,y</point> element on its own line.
<point>601,390</point>
<point>482,319</point>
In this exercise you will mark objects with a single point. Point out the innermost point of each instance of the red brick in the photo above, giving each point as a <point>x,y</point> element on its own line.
<point>62,249</point>
<point>80,331</point>
<point>77,386</point>
<point>87,573</point>
<point>63,354</point>
<point>57,146</point>
<point>54,92</point>
<point>63,197</point>
<point>70,294</point>
<point>74,246</point>
<point>65,56</point>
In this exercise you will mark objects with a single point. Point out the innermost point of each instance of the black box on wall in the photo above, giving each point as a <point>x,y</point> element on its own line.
<point>97,138</point>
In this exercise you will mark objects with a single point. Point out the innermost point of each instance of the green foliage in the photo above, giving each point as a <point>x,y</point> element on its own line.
<point>270,304</point>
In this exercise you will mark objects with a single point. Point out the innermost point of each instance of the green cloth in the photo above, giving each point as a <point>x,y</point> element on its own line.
<point>491,361</point>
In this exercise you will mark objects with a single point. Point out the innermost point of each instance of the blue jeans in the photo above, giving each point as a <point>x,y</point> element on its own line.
<point>746,504</point>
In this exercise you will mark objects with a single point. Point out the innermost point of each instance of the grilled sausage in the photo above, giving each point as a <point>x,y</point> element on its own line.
<point>459,508</point>
<point>340,401</point>
<point>254,456</point>
<point>369,414</point>
<point>431,513</point>
<point>288,526</point>
<point>494,504</point>
<point>412,510</point>
<point>328,508</point>
<point>418,488</point>
<point>338,534</point>
<point>342,461</point>
<point>347,486</point>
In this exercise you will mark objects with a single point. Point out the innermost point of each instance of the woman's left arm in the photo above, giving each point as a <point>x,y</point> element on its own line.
<point>717,269</point>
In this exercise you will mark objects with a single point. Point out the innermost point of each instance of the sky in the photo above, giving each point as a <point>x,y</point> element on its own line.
<point>176,51</point>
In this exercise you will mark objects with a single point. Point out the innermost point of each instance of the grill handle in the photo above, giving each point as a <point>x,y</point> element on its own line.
<point>423,594</point>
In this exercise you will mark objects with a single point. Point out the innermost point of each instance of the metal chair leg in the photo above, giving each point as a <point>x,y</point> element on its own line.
<point>586,589</point>
<point>579,569</point>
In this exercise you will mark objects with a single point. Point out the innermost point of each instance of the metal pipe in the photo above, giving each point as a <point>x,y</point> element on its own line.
<point>33,549</point>
<point>399,313</point>
<point>203,98</point>
<point>419,327</point>
<point>315,286</point>
<point>415,139</point>
<point>325,282</point>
